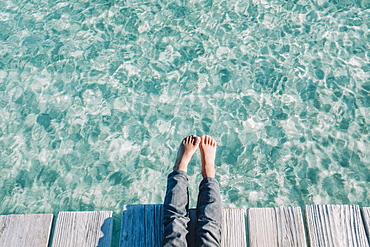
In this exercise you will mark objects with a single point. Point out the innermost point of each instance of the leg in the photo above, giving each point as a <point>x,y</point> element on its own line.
<point>176,202</point>
<point>209,208</point>
<point>175,210</point>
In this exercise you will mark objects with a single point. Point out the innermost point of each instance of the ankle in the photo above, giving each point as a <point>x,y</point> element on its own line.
<point>209,173</point>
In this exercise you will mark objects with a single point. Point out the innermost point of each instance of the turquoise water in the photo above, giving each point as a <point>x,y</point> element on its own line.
<point>95,97</point>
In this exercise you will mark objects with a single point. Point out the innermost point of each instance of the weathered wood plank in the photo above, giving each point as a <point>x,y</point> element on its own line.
<point>366,218</point>
<point>83,229</point>
<point>20,230</point>
<point>335,225</point>
<point>142,226</point>
<point>155,213</point>
<point>276,227</point>
<point>233,227</point>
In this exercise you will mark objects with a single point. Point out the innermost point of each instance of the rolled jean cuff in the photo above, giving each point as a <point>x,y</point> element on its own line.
<point>179,173</point>
<point>208,180</point>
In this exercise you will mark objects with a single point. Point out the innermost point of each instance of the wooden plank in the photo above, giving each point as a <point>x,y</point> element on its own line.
<point>20,230</point>
<point>366,218</point>
<point>154,214</point>
<point>142,226</point>
<point>335,225</point>
<point>83,229</point>
<point>233,228</point>
<point>275,227</point>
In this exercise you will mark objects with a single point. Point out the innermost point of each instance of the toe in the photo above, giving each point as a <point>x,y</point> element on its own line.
<point>213,142</point>
<point>203,138</point>
<point>207,140</point>
<point>189,139</point>
<point>196,140</point>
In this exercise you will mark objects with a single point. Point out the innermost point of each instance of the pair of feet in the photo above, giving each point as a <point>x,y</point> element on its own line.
<point>189,145</point>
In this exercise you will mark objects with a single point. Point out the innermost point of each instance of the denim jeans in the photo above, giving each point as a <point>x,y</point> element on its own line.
<point>176,212</point>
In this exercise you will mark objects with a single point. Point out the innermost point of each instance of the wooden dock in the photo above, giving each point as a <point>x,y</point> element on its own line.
<point>316,226</point>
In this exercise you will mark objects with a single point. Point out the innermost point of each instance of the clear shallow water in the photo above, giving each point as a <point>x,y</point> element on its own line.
<point>95,97</point>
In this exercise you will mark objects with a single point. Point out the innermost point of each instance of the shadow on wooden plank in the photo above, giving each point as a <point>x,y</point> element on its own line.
<point>106,229</point>
<point>142,225</point>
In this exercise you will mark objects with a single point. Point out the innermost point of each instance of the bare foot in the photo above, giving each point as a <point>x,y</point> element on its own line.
<point>187,148</point>
<point>208,153</point>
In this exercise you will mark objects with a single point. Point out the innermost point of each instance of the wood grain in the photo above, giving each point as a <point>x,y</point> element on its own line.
<point>366,218</point>
<point>335,225</point>
<point>142,225</point>
<point>83,229</point>
<point>233,228</point>
<point>276,227</point>
<point>25,230</point>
